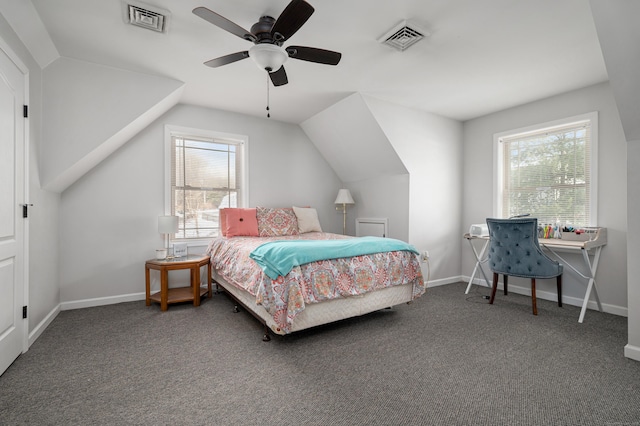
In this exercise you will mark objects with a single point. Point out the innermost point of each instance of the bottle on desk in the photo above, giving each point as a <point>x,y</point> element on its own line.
<point>557,231</point>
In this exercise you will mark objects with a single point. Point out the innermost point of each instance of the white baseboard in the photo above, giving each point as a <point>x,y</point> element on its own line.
<point>546,295</point>
<point>110,300</point>
<point>78,304</point>
<point>38,329</point>
<point>444,281</point>
<point>632,352</point>
<point>101,301</point>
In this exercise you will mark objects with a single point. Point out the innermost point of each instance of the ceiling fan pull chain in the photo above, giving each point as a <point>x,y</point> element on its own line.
<point>268,114</point>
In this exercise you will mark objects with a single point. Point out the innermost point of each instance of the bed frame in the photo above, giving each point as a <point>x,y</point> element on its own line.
<point>318,313</point>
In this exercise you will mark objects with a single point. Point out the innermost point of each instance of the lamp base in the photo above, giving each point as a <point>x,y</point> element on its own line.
<point>344,218</point>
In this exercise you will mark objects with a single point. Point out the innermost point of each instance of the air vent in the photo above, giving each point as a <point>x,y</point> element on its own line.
<point>146,16</point>
<point>403,35</point>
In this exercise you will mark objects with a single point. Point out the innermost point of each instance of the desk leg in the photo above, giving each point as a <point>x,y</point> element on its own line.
<point>147,286</point>
<point>164,289</point>
<point>592,282</point>
<point>479,258</point>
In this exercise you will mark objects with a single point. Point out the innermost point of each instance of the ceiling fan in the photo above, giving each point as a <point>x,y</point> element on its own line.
<point>268,35</point>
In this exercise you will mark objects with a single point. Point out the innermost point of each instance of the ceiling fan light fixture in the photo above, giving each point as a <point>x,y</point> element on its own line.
<point>268,56</point>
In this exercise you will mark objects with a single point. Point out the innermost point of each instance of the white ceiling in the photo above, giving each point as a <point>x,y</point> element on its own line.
<point>482,55</point>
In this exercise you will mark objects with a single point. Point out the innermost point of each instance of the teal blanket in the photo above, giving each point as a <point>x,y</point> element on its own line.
<point>280,257</point>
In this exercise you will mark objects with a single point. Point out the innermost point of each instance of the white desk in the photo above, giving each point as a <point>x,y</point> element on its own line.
<point>592,247</point>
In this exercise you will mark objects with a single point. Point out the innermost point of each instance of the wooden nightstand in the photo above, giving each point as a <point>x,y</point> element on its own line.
<point>168,295</point>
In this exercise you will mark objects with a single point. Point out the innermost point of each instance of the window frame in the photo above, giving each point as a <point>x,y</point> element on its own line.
<point>199,134</point>
<point>498,164</point>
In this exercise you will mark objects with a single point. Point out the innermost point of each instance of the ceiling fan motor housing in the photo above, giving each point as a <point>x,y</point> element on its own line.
<point>262,30</point>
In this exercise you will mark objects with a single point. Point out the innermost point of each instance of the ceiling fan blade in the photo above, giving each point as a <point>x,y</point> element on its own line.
<point>279,78</point>
<point>313,54</point>
<point>222,22</point>
<point>227,59</point>
<point>291,19</point>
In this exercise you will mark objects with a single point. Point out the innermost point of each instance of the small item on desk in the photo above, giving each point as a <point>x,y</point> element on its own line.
<point>479,230</point>
<point>557,231</point>
<point>549,231</point>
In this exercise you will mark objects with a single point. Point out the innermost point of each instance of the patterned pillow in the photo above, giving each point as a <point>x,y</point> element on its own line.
<point>276,222</point>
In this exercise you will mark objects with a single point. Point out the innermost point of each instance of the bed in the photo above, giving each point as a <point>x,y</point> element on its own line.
<point>313,292</point>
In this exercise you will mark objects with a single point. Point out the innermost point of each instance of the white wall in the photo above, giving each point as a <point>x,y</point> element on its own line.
<point>108,218</point>
<point>43,220</point>
<point>619,35</point>
<point>381,197</point>
<point>430,147</point>
<point>612,185</point>
<point>372,144</point>
<point>632,350</point>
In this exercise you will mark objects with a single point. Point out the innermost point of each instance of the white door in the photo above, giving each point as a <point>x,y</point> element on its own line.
<point>12,225</point>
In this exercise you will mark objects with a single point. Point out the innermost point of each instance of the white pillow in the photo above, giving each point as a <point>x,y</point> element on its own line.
<point>307,219</point>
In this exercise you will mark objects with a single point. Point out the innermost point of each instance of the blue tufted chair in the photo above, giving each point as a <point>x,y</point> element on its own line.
<point>514,250</point>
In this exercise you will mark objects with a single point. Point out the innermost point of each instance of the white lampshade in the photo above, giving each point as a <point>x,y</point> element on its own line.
<point>344,197</point>
<point>268,56</point>
<point>167,224</point>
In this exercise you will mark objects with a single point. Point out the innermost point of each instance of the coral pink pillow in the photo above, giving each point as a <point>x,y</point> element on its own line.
<point>223,222</point>
<point>241,222</point>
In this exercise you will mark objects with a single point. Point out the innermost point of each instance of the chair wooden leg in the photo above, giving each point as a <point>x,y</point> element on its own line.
<point>533,296</point>
<point>494,288</point>
<point>506,281</point>
<point>559,282</point>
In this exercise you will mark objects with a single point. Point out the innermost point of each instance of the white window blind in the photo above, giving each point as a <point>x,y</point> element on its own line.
<point>548,174</point>
<point>206,175</point>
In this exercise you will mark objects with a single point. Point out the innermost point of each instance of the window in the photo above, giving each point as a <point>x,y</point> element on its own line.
<point>549,171</point>
<point>206,171</point>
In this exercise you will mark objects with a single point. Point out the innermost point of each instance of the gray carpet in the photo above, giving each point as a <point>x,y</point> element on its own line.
<point>446,359</point>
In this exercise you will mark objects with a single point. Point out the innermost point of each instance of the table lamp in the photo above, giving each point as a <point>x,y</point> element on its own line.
<point>167,225</point>
<point>344,198</point>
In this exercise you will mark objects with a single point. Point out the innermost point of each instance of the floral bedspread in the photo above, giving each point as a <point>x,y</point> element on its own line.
<point>285,297</point>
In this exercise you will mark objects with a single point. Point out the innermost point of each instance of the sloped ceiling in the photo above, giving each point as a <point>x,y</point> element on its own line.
<point>90,111</point>
<point>618,31</point>
<point>351,140</point>
<point>27,24</point>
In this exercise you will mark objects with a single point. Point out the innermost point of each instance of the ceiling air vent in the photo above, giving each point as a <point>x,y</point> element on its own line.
<point>403,35</point>
<point>146,16</point>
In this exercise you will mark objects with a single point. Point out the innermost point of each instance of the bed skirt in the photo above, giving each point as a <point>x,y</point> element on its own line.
<point>325,312</point>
